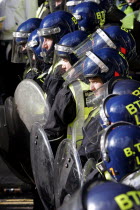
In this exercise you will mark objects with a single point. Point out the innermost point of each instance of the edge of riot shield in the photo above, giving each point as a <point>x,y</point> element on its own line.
<point>66,158</point>
<point>42,161</point>
<point>36,108</point>
<point>8,104</point>
<point>10,156</point>
<point>89,166</point>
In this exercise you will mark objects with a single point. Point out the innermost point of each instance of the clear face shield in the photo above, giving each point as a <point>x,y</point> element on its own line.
<point>88,44</point>
<point>56,5</point>
<point>95,99</point>
<point>19,53</point>
<point>61,61</point>
<point>47,42</point>
<point>34,59</point>
<point>88,66</point>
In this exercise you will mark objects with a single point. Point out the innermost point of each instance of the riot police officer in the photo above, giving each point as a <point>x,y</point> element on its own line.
<point>120,154</point>
<point>69,108</point>
<point>62,62</point>
<point>52,28</point>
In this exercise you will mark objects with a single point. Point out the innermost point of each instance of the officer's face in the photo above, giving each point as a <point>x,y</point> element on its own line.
<point>95,83</point>
<point>66,64</point>
<point>58,2</point>
<point>47,43</point>
<point>23,47</point>
<point>131,1</point>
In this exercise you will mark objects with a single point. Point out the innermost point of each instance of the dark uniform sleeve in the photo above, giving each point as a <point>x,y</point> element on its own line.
<point>114,16</point>
<point>62,113</point>
<point>51,87</point>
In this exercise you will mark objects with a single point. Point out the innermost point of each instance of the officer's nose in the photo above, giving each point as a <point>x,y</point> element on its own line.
<point>63,66</point>
<point>92,87</point>
<point>45,44</point>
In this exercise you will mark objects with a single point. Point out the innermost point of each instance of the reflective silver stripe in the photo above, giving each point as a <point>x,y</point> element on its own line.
<point>32,43</point>
<point>78,17</point>
<point>72,3</point>
<point>20,35</point>
<point>96,1</point>
<point>63,48</point>
<point>48,31</point>
<point>106,38</point>
<point>96,60</point>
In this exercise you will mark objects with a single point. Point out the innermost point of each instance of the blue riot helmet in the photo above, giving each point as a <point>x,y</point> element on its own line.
<point>110,195</point>
<point>89,15</point>
<point>104,63</point>
<point>20,38</point>
<point>63,54</point>
<point>52,28</point>
<point>101,195</point>
<point>111,36</point>
<point>125,86</point>
<point>115,108</point>
<point>118,38</point>
<point>120,149</point>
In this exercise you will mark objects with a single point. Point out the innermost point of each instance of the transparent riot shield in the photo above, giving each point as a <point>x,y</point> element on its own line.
<point>67,172</point>
<point>31,103</point>
<point>4,138</point>
<point>89,166</point>
<point>9,115</point>
<point>9,142</point>
<point>92,130</point>
<point>29,106</point>
<point>42,161</point>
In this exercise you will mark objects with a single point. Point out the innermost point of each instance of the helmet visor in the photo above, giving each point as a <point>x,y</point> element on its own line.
<point>87,67</point>
<point>19,53</point>
<point>91,42</point>
<point>61,60</point>
<point>34,53</point>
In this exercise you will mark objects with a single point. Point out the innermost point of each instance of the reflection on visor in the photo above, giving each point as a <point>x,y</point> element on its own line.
<point>96,1</point>
<point>88,44</point>
<point>32,43</point>
<point>21,35</point>
<point>98,62</point>
<point>78,17</point>
<point>106,38</point>
<point>85,46</point>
